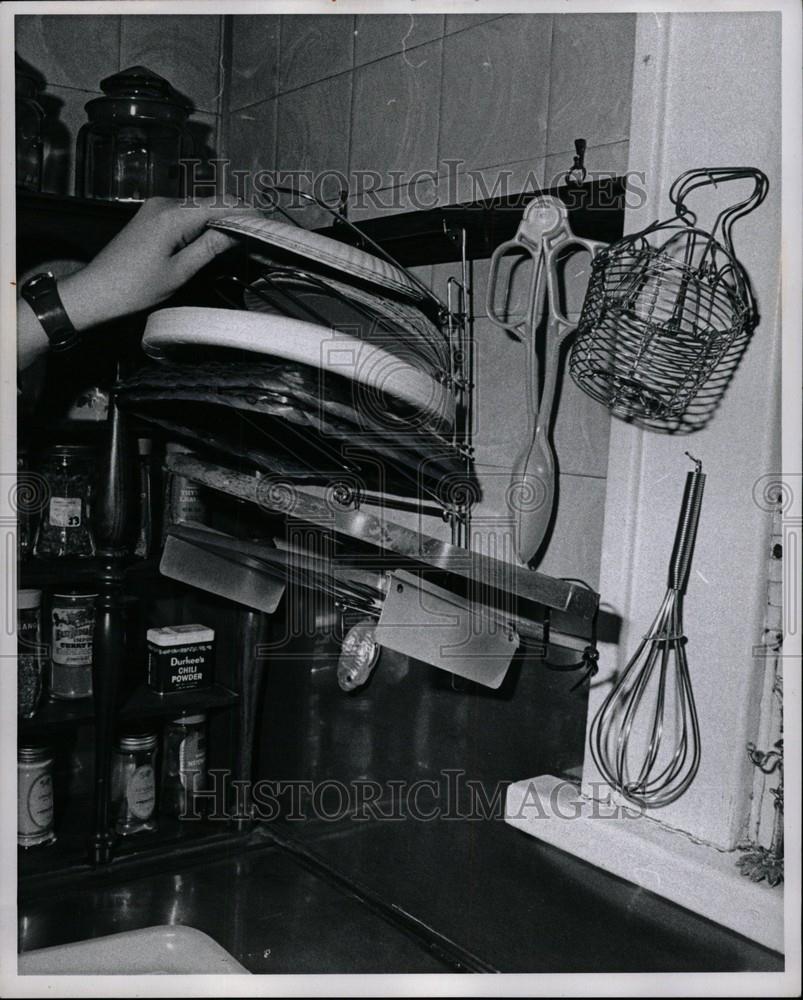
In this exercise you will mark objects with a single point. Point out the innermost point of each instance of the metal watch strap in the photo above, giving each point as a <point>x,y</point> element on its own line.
<point>42,295</point>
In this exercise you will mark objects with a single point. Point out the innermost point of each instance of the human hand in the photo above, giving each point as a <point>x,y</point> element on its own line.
<point>159,250</point>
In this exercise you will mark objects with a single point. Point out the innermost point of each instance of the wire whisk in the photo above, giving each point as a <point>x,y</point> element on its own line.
<point>645,738</point>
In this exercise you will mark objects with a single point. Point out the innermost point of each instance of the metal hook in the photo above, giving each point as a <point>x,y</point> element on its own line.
<point>578,167</point>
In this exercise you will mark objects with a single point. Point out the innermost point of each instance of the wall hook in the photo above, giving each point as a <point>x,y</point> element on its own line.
<point>577,174</point>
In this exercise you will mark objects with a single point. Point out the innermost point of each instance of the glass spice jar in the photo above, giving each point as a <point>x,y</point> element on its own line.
<point>34,796</point>
<point>64,529</point>
<point>28,498</point>
<point>183,765</point>
<point>72,633</point>
<point>29,652</point>
<point>184,499</point>
<point>134,783</point>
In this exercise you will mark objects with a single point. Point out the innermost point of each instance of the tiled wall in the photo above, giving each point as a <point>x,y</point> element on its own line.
<point>396,94</point>
<point>75,52</point>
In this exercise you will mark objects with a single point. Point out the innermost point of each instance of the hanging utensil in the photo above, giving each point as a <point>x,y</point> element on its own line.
<point>634,725</point>
<point>545,235</point>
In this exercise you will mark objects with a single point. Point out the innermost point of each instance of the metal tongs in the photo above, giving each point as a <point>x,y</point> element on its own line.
<point>545,236</point>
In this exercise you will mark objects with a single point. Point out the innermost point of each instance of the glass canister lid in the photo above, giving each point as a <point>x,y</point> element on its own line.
<point>140,91</point>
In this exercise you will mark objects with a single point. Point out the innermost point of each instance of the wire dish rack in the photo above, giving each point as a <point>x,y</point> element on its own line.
<point>664,306</point>
<point>436,334</point>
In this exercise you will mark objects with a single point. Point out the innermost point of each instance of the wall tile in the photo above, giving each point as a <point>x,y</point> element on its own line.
<point>574,545</point>
<point>254,59</point>
<point>421,194</point>
<point>495,91</point>
<point>314,47</point>
<point>313,136</point>
<point>591,74</point>
<point>184,48</point>
<point>251,143</point>
<point>380,35</point>
<point>581,429</point>
<point>70,50</point>
<point>203,130</point>
<point>503,414</point>
<point>600,160</point>
<point>459,22</point>
<point>395,117</point>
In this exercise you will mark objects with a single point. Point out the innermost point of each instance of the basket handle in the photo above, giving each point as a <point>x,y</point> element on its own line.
<point>713,176</point>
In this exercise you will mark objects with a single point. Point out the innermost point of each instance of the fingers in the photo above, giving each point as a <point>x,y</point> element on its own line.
<point>200,252</point>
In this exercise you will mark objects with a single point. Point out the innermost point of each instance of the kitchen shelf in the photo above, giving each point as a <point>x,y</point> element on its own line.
<point>142,704</point>
<point>38,573</point>
<point>431,236</point>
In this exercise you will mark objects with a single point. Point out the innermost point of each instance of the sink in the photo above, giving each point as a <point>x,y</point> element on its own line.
<point>166,949</point>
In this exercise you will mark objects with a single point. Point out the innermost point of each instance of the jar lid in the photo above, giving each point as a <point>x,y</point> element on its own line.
<point>144,446</point>
<point>84,451</point>
<point>27,599</point>
<point>75,595</point>
<point>180,635</point>
<point>29,754</point>
<point>189,720</point>
<point>138,741</point>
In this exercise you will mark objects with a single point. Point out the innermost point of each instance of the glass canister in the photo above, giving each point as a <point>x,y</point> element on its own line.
<point>29,497</point>
<point>28,125</point>
<point>134,783</point>
<point>34,796</point>
<point>131,146</point>
<point>29,652</point>
<point>72,617</point>
<point>65,530</point>
<point>183,764</point>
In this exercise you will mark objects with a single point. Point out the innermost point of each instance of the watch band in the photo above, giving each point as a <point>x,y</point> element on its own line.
<point>42,295</point>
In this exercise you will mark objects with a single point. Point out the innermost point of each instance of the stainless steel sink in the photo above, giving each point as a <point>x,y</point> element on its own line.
<point>172,950</point>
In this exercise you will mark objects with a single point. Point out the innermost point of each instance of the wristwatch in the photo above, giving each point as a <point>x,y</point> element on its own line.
<point>42,295</point>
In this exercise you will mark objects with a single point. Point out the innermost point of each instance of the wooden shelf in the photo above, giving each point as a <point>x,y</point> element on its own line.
<point>52,572</point>
<point>596,211</point>
<point>142,704</point>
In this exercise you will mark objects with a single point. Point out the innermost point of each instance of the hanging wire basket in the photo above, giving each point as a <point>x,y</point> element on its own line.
<point>664,305</point>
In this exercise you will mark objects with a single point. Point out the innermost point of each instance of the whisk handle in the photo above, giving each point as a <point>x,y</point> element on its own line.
<point>686,533</point>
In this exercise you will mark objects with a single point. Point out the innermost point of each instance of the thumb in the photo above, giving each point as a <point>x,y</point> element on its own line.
<point>200,252</point>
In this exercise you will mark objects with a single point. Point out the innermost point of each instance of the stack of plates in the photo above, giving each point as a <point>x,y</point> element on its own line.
<point>326,369</point>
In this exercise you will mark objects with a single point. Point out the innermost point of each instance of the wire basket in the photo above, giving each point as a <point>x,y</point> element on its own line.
<point>664,305</point>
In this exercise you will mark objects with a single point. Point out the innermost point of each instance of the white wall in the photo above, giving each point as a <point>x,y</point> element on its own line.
<point>706,92</point>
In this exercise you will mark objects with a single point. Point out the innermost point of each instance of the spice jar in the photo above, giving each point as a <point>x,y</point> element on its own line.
<point>28,122</point>
<point>134,783</point>
<point>34,796</point>
<point>72,617</point>
<point>29,652</point>
<point>132,144</point>
<point>184,499</point>
<point>183,764</point>
<point>64,529</point>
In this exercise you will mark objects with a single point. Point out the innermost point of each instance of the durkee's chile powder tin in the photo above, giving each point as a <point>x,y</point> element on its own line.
<point>180,658</point>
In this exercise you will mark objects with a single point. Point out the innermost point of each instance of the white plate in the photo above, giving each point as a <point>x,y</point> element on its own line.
<point>305,343</point>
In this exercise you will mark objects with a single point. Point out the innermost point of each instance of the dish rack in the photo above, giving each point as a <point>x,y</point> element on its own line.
<point>270,283</point>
